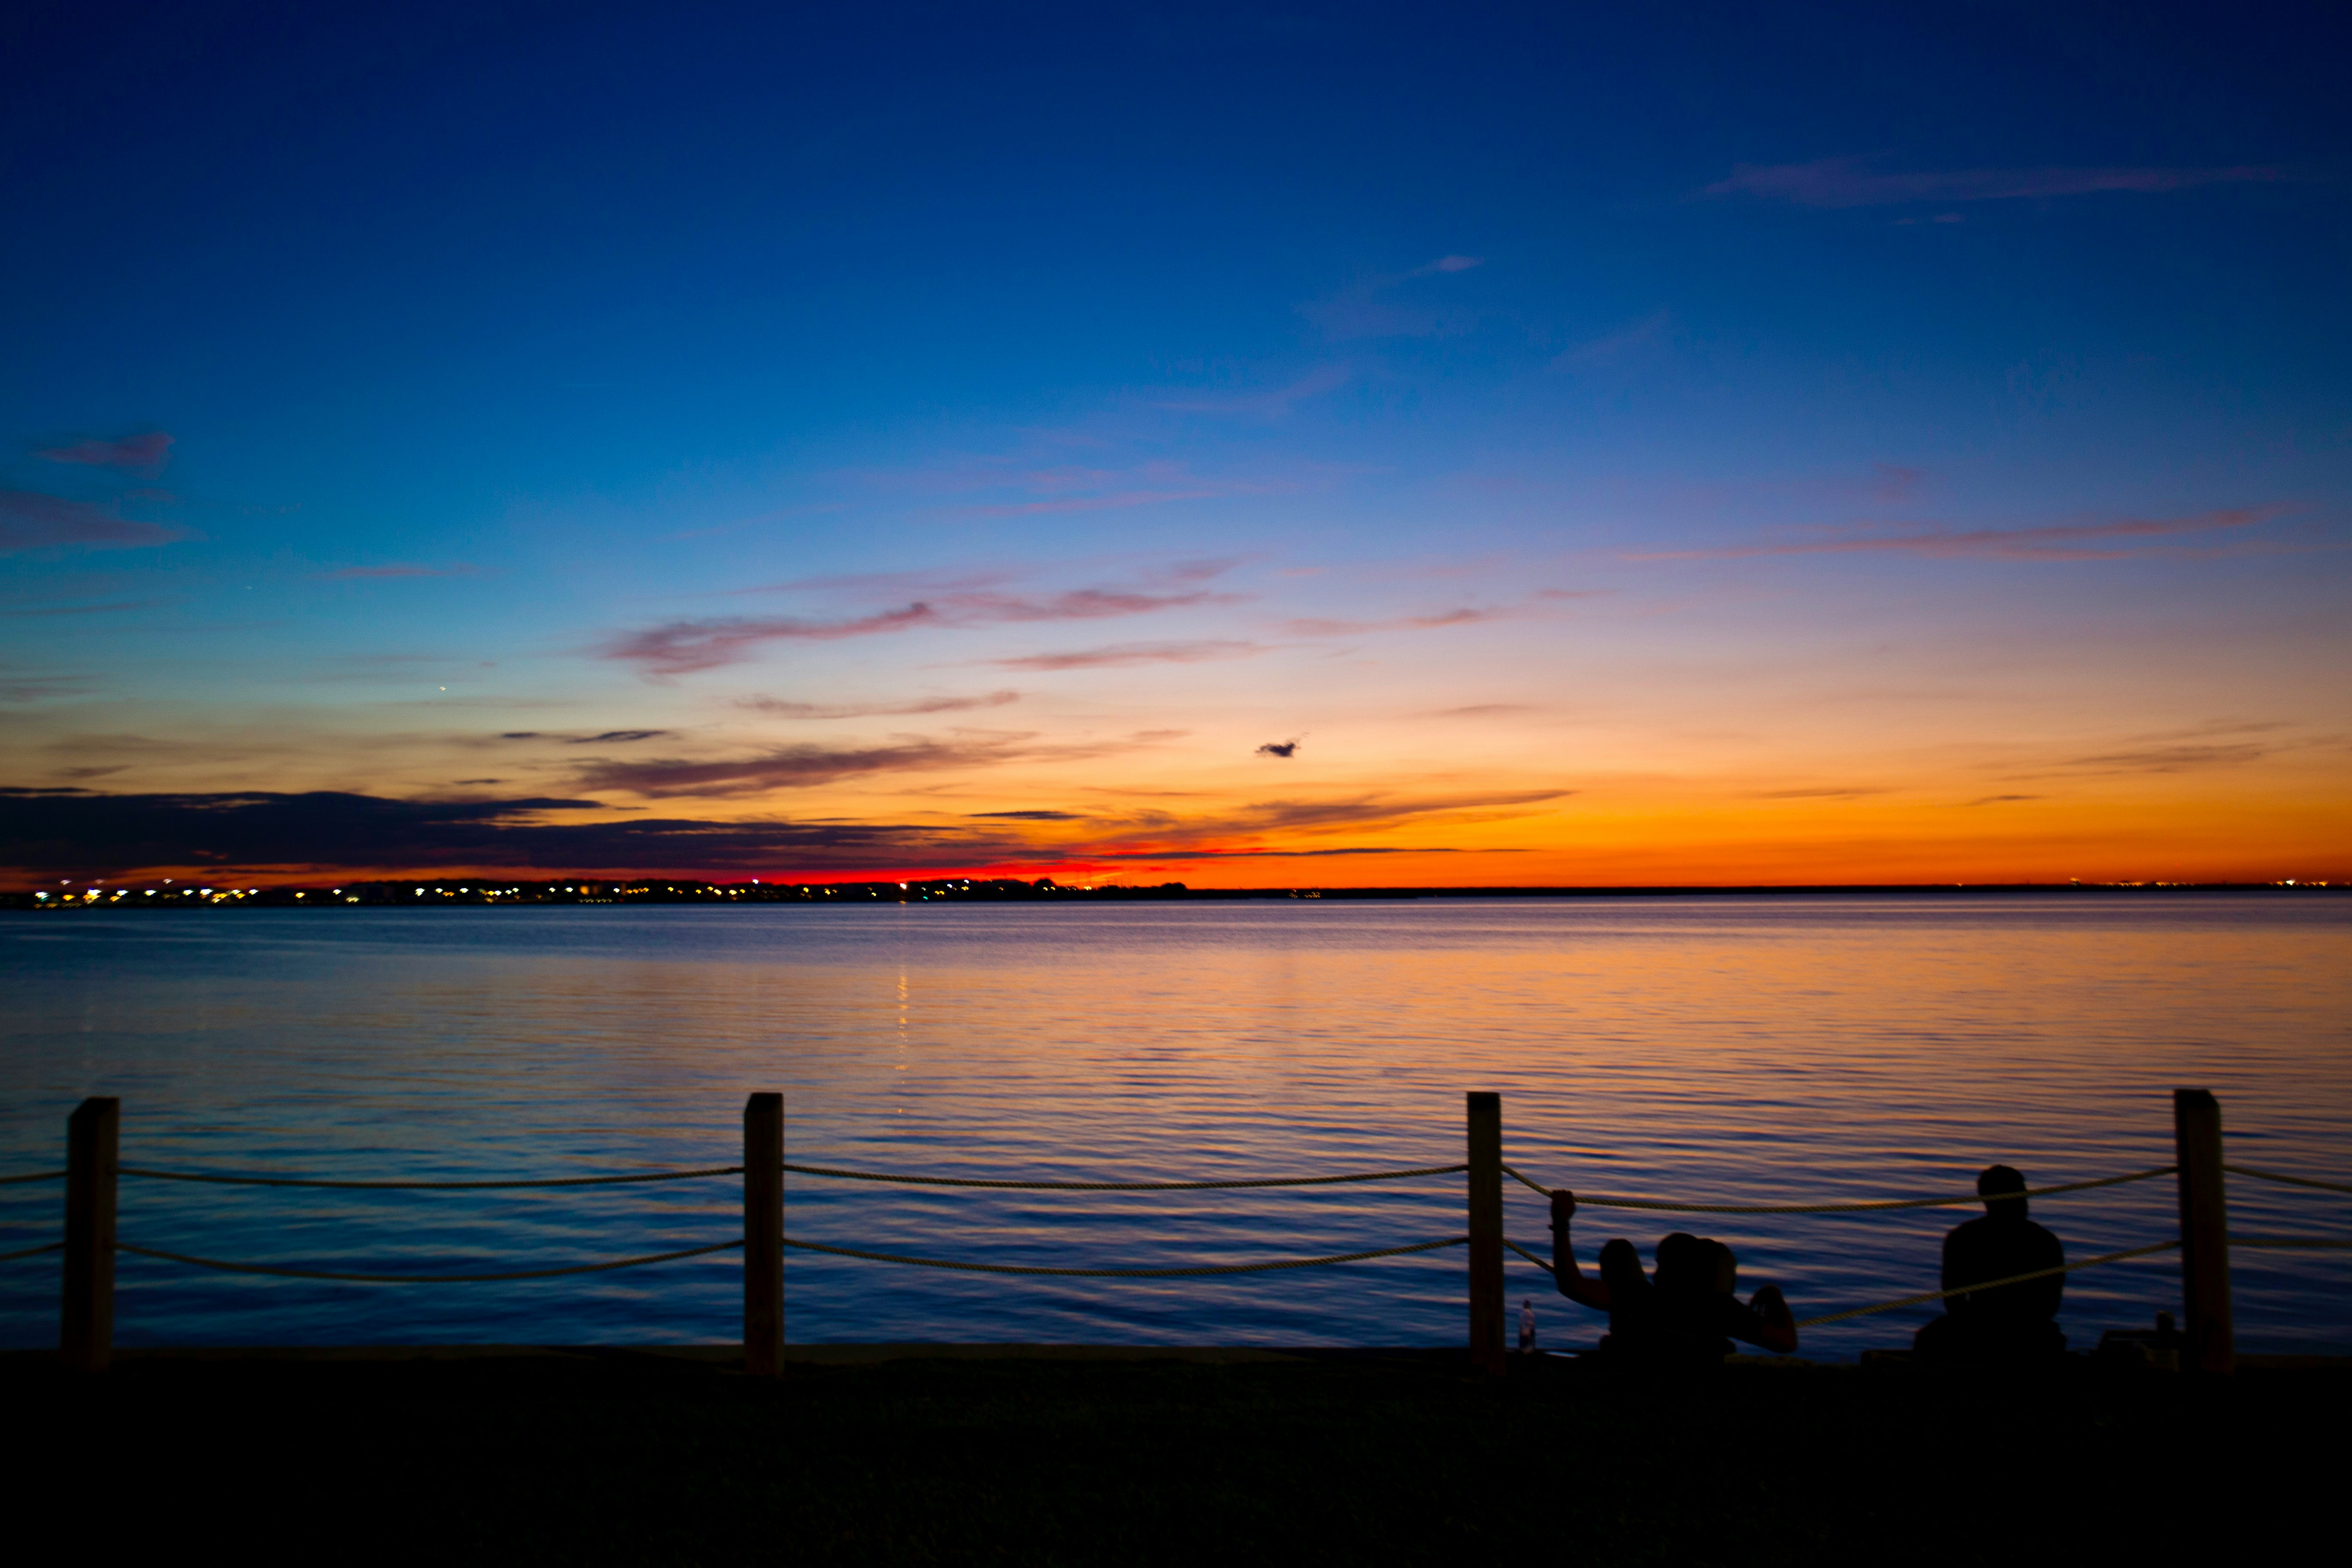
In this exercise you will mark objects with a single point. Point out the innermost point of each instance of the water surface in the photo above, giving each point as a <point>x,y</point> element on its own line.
<point>1716,1049</point>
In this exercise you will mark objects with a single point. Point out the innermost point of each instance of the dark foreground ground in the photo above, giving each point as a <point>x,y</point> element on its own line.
<point>635,1458</point>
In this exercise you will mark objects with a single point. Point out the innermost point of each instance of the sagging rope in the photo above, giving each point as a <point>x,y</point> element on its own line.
<point>1927,1296</point>
<point>1122,1187</point>
<point>2290,1181</point>
<point>36,1177</point>
<point>437,1186</point>
<point>425,1278</point>
<point>1989,1284</point>
<point>1617,1202</point>
<point>32,1251</point>
<point>1125,1273</point>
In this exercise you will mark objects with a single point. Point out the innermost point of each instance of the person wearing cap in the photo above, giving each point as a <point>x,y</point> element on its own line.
<point>2011,1322</point>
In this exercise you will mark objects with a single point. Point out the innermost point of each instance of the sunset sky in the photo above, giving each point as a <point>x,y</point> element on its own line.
<point>1328,445</point>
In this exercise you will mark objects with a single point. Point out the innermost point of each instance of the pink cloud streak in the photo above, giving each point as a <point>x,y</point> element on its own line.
<point>1847,183</point>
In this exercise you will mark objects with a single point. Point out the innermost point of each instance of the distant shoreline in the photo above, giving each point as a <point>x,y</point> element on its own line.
<point>476,894</point>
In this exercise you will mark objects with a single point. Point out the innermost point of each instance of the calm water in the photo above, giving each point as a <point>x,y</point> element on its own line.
<point>1758,1050</point>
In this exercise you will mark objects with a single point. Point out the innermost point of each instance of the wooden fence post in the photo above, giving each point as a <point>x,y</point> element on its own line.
<point>1486,1232</point>
<point>2204,1232</point>
<point>763,1234</point>
<point>86,1316</point>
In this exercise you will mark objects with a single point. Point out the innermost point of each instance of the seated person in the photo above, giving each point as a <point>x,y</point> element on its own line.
<point>1680,1315</point>
<point>2014,1322</point>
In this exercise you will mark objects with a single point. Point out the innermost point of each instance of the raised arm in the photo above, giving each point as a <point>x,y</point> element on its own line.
<point>1571,1281</point>
<point>1766,1321</point>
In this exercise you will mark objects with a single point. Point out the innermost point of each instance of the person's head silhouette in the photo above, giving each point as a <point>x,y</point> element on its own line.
<point>1996,1181</point>
<point>1685,1264</point>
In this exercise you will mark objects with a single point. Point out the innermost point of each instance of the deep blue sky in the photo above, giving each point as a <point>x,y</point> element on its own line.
<point>585,320</point>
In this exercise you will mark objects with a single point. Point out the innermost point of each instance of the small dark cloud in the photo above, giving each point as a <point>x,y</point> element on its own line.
<point>477,781</point>
<point>1485,711</point>
<point>1029,816</point>
<point>145,454</point>
<point>615,737</point>
<point>1278,748</point>
<point>31,521</point>
<point>2001,799</point>
<point>519,735</point>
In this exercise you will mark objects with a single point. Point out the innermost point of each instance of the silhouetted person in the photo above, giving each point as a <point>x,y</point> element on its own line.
<point>1680,1315</point>
<point>2014,1323</point>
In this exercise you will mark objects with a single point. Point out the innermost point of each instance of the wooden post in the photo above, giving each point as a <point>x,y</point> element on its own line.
<point>763,1234</point>
<point>86,1317</point>
<point>2204,1232</point>
<point>1486,1232</point>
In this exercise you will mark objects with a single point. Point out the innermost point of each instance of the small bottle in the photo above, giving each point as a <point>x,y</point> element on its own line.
<point>1527,1326</point>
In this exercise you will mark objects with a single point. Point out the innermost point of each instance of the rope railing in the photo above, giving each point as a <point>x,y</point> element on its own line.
<point>283,1272</point>
<point>94,1169</point>
<point>1188,1272</point>
<point>1602,1200</point>
<point>1926,1296</point>
<point>1121,1186</point>
<point>2290,1181</point>
<point>228,1180</point>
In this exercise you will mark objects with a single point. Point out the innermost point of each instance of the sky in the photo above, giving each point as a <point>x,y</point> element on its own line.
<point>1259,446</point>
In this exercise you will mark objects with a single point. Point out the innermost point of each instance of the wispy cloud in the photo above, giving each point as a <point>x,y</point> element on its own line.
<point>355,573</point>
<point>1121,654</point>
<point>1312,627</point>
<point>2063,541</point>
<point>682,647</point>
<point>805,766</point>
<point>31,521</point>
<point>1848,792</point>
<point>778,708</point>
<point>2172,759</point>
<point>1614,345</point>
<point>89,609</point>
<point>1852,182</point>
<point>1028,815</point>
<point>1272,403</point>
<point>145,454</point>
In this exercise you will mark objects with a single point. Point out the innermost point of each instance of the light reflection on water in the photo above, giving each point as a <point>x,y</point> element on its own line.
<point>1711,1049</point>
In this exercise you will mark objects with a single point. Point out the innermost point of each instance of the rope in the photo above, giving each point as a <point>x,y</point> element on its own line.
<point>1989,1284</point>
<point>2233,1170</point>
<point>1128,1273</point>
<point>36,1177</point>
<point>1123,1186</point>
<point>32,1252</point>
<point>1614,1203</point>
<point>437,1186</point>
<point>424,1278</point>
<point>2326,1241</point>
<point>1530,1257</point>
